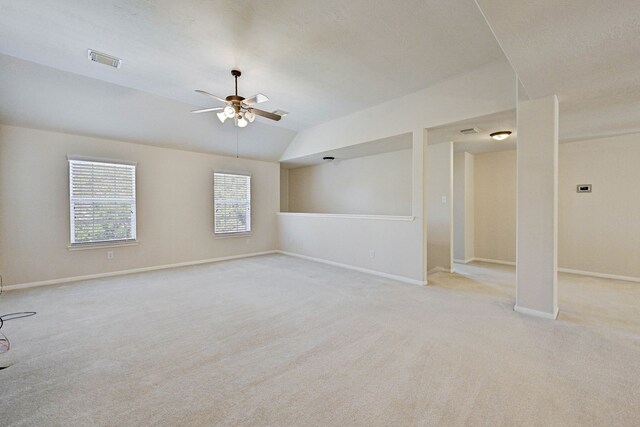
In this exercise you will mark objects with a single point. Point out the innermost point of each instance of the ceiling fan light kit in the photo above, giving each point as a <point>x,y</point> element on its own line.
<point>238,108</point>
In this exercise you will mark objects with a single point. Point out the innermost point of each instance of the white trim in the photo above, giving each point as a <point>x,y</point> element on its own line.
<point>101,160</point>
<point>536,313</point>
<point>600,275</point>
<point>360,269</point>
<point>232,235</point>
<point>439,269</point>
<point>349,216</point>
<point>463,261</point>
<point>562,270</point>
<point>493,261</point>
<point>86,246</point>
<point>134,270</point>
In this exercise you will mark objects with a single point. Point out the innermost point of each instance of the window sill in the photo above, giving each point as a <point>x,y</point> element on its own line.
<point>232,235</point>
<point>100,246</point>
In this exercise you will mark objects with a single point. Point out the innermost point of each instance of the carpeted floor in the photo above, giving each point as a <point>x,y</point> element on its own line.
<point>276,340</point>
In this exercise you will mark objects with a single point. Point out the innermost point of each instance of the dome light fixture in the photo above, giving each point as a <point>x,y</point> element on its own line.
<point>500,135</point>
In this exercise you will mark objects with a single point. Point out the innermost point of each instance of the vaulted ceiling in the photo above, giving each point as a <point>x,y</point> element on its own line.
<point>585,51</point>
<point>316,59</point>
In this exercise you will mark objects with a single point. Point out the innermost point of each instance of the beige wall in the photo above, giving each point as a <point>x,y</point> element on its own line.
<point>495,205</point>
<point>372,185</point>
<point>389,245</point>
<point>598,232</point>
<point>469,206</point>
<point>284,190</point>
<point>440,206</point>
<point>174,206</point>
<point>463,207</point>
<point>480,92</point>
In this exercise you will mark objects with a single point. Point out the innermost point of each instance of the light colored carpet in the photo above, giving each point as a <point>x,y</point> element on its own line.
<point>276,340</point>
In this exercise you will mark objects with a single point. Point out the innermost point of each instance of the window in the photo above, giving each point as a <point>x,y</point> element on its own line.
<point>232,203</point>
<point>103,202</point>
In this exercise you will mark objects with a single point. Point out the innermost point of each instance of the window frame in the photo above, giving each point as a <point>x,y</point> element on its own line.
<point>134,216</point>
<point>231,234</point>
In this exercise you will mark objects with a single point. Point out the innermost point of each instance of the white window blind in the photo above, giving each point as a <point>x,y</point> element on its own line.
<point>103,202</point>
<point>232,203</point>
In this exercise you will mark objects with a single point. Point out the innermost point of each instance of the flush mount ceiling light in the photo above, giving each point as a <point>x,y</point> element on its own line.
<point>238,108</point>
<point>501,135</point>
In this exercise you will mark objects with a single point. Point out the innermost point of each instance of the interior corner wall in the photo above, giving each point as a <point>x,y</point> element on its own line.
<point>495,205</point>
<point>439,207</point>
<point>469,207</point>
<point>378,184</point>
<point>458,206</point>
<point>174,207</point>
<point>487,90</point>
<point>284,190</point>
<point>389,245</point>
<point>463,207</point>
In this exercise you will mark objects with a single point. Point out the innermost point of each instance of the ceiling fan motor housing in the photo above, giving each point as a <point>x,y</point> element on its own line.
<point>243,107</point>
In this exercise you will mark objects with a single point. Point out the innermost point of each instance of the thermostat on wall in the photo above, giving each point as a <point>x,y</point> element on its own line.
<point>584,188</point>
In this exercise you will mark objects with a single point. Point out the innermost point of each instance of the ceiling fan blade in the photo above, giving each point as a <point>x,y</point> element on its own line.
<point>256,99</point>
<point>211,95</point>
<point>204,110</point>
<point>266,114</point>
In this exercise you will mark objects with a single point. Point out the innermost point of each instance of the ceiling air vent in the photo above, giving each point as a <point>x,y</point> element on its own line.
<point>105,59</point>
<point>281,113</point>
<point>470,131</point>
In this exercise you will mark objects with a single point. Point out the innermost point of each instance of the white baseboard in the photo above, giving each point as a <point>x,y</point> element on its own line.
<point>562,270</point>
<point>439,270</point>
<point>536,313</point>
<point>600,275</point>
<point>134,270</point>
<point>494,261</point>
<point>360,269</point>
<point>463,261</point>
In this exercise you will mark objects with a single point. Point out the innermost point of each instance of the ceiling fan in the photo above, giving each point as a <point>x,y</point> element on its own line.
<point>238,108</point>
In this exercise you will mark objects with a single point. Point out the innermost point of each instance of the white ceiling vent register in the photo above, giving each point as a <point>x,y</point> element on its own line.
<point>470,131</point>
<point>103,58</point>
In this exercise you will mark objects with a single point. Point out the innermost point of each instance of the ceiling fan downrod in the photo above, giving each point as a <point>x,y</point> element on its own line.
<point>236,74</point>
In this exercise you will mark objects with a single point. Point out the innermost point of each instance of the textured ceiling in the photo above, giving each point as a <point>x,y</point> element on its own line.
<point>316,59</point>
<point>480,142</point>
<point>379,146</point>
<point>585,51</point>
<point>36,96</point>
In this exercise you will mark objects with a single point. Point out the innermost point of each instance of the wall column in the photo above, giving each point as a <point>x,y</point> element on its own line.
<point>440,207</point>
<point>537,207</point>
<point>418,189</point>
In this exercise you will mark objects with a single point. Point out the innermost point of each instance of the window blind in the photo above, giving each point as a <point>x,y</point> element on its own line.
<point>232,203</point>
<point>103,202</point>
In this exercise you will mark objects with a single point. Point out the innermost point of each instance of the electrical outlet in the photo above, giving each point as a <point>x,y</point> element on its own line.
<point>372,253</point>
<point>444,199</point>
<point>109,254</point>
